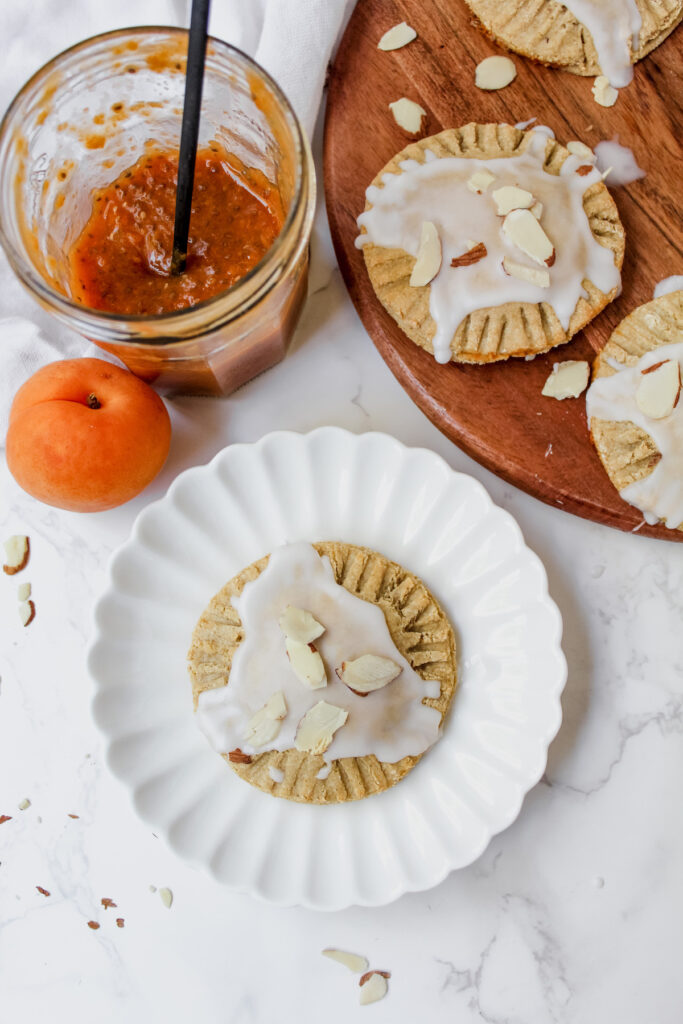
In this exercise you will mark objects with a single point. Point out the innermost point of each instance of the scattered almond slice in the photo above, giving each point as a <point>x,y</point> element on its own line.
<point>568,379</point>
<point>603,93</point>
<point>264,725</point>
<point>17,551</point>
<point>428,262</point>
<point>494,73</point>
<point>477,251</point>
<point>298,624</point>
<point>581,150</point>
<point>367,673</point>
<point>27,612</point>
<point>120,922</point>
<point>166,897</point>
<point>373,986</point>
<point>398,36</point>
<point>511,197</point>
<point>659,389</point>
<point>318,726</point>
<point>23,591</point>
<point>24,804</point>
<point>480,181</point>
<point>353,961</point>
<point>537,210</point>
<point>408,114</point>
<point>306,663</point>
<point>524,231</point>
<point>605,173</point>
<point>533,275</point>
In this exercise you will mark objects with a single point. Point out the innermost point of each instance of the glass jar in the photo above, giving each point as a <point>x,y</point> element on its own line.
<point>94,111</point>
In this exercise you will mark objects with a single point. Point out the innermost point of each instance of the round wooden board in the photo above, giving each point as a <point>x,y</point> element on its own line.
<point>496,413</point>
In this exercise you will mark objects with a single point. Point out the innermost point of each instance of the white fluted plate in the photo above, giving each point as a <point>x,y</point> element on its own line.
<point>408,504</point>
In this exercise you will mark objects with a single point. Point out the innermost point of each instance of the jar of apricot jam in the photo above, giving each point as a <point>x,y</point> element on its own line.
<point>88,153</point>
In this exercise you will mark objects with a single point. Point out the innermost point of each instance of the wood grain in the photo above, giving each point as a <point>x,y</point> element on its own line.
<point>496,413</point>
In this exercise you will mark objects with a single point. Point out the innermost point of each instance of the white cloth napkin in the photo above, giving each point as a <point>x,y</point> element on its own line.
<point>292,39</point>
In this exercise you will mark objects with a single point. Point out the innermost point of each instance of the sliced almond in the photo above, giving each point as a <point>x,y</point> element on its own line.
<point>306,663</point>
<point>659,389</point>
<point>166,897</point>
<point>568,379</point>
<point>367,673</point>
<point>27,612</point>
<point>581,150</point>
<point>23,591</point>
<point>524,231</point>
<point>533,275</point>
<point>24,804</point>
<point>603,93</point>
<point>480,181</point>
<point>537,210</point>
<point>428,262</point>
<point>298,624</point>
<point>475,253</point>
<point>317,728</point>
<point>17,551</point>
<point>264,725</point>
<point>494,73</point>
<point>398,36</point>
<point>511,197</point>
<point>353,961</point>
<point>408,114</point>
<point>373,986</point>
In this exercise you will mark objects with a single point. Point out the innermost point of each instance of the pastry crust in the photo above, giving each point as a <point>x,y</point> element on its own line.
<point>627,452</point>
<point>419,628</point>
<point>511,329</point>
<point>549,33</point>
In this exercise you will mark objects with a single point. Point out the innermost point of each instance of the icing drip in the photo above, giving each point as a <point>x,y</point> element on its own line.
<point>659,495</point>
<point>619,161</point>
<point>614,26</point>
<point>391,722</point>
<point>437,191</point>
<point>668,285</point>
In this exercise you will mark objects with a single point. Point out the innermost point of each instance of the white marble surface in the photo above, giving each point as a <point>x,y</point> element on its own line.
<point>573,915</point>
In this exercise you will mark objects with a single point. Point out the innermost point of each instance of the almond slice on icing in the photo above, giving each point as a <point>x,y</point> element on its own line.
<point>659,389</point>
<point>524,231</point>
<point>316,729</point>
<point>298,624</point>
<point>398,36</point>
<point>17,550</point>
<point>533,275</point>
<point>494,73</point>
<point>23,591</point>
<point>306,663</point>
<point>477,251</point>
<point>480,181</point>
<point>567,380</point>
<point>373,986</point>
<point>511,197</point>
<point>581,150</point>
<point>353,961</point>
<point>264,725</point>
<point>367,673</point>
<point>428,262</point>
<point>27,612</point>
<point>603,93</point>
<point>537,210</point>
<point>408,114</point>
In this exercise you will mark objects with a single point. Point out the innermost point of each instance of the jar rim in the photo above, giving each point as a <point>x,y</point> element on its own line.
<point>221,303</point>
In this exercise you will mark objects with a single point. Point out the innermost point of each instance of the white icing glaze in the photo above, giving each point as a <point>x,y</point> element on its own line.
<point>276,774</point>
<point>668,285</point>
<point>659,495</point>
<point>391,722</point>
<point>619,161</point>
<point>437,191</point>
<point>614,26</point>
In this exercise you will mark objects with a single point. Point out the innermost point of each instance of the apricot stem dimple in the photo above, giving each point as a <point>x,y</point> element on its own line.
<point>92,401</point>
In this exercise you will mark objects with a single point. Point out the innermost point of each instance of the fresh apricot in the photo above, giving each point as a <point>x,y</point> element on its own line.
<point>86,435</point>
